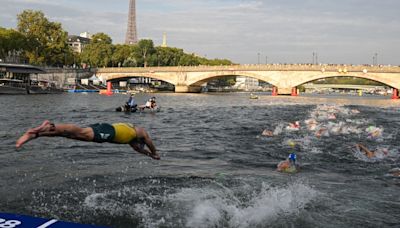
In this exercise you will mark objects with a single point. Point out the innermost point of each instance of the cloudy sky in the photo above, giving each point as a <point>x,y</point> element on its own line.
<point>285,31</point>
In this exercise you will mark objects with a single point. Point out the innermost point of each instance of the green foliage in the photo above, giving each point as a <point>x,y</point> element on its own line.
<point>215,62</point>
<point>231,81</point>
<point>120,54</point>
<point>143,52</point>
<point>167,56</point>
<point>11,42</point>
<point>189,60</point>
<point>99,53</point>
<point>101,38</point>
<point>44,42</point>
<point>47,41</point>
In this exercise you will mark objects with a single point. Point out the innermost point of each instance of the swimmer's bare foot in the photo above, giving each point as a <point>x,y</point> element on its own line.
<point>45,126</point>
<point>25,138</point>
<point>34,133</point>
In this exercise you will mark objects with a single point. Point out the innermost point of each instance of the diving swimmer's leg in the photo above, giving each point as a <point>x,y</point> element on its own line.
<point>62,130</point>
<point>34,133</point>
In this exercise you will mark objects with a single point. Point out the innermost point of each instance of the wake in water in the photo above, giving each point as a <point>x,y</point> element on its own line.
<point>196,203</point>
<point>216,208</point>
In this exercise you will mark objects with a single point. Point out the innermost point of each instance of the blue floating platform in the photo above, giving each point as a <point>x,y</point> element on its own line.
<point>83,91</point>
<point>23,221</point>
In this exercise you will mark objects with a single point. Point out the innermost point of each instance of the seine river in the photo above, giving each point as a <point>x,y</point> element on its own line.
<point>216,169</point>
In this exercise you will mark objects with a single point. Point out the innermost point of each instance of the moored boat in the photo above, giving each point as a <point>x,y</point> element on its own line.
<point>43,87</point>
<point>13,86</point>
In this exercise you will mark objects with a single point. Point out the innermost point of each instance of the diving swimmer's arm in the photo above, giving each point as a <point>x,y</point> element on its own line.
<point>144,138</point>
<point>140,148</point>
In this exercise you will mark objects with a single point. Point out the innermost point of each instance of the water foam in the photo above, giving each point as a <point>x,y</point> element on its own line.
<point>217,207</point>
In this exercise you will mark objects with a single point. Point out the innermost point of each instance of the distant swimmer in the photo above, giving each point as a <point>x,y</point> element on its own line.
<point>118,133</point>
<point>394,172</point>
<point>295,126</point>
<point>374,132</point>
<point>311,124</point>
<point>267,133</point>
<point>289,165</point>
<point>331,116</point>
<point>371,154</point>
<point>322,132</point>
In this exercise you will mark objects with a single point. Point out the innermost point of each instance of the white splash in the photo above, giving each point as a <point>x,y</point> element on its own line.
<point>216,207</point>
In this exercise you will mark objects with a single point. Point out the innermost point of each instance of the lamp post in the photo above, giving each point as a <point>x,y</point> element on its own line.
<point>313,58</point>
<point>258,54</point>
<point>266,59</point>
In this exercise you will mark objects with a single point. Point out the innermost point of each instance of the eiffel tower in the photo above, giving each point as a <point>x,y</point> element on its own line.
<point>131,34</point>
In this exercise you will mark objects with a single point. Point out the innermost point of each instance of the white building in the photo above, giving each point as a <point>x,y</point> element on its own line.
<point>77,43</point>
<point>246,83</point>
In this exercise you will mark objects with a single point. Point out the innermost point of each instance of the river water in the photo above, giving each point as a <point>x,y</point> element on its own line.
<point>216,169</point>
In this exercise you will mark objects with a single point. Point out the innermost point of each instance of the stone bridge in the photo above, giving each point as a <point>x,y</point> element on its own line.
<point>285,78</point>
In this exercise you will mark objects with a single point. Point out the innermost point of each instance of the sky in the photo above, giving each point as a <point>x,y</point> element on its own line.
<point>244,31</point>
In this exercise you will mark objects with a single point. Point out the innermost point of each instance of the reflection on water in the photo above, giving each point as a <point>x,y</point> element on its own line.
<point>217,170</point>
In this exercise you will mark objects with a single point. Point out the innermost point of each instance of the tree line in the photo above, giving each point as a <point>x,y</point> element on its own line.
<point>39,41</point>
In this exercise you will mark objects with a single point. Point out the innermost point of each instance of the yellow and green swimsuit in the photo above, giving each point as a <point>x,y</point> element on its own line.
<point>122,133</point>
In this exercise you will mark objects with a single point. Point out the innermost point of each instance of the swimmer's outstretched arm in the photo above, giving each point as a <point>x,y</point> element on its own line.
<point>140,148</point>
<point>365,150</point>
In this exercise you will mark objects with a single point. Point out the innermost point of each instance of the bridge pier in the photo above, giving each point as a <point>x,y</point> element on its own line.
<point>395,94</point>
<point>274,91</point>
<point>294,92</point>
<point>187,89</point>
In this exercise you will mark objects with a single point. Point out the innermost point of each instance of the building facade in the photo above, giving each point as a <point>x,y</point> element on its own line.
<point>78,43</point>
<point>246,83</point>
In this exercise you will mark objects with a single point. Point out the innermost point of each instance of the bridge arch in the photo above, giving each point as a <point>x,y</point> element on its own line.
<point>372,77</point>
<point>116,76</point>
<point>202,78</point>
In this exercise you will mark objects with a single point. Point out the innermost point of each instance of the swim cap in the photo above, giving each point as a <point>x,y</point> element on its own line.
<point>292,157</point>
<point>291,143</point>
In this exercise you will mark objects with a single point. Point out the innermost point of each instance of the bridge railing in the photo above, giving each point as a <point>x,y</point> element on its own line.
<point>262,67</point>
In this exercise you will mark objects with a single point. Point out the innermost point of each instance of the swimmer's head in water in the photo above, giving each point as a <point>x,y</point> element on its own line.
<point>292,143</point>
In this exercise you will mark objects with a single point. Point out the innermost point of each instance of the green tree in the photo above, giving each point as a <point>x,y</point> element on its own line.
<point>12,43</point>
<point>47,40</point>
<point>217,62</point>
<point>143,52</point>
<point>167,56</point>
<point>121,54</point>
<point>99,52</point>
<point>189,60</point>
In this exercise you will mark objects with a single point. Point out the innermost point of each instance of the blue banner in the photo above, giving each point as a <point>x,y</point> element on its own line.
<point>23,221</point>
